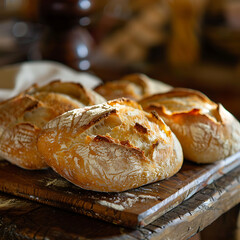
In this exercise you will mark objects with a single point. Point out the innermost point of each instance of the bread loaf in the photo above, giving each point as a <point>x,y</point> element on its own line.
<point>22,117</point>
<point>110,147</point>
<point>133,86</point>
<point>71,90</point>
<point>206,130</point>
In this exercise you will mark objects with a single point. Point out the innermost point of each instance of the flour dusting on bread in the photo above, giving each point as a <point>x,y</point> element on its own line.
<point>110,147</point>
<point>206,130</point>
<point>22,117</point>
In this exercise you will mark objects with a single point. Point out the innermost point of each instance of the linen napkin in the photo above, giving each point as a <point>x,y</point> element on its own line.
<point>18,77</point>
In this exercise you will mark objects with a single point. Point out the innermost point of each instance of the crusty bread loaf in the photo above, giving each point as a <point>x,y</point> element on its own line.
<point>206,130</point>
<point>133,86</point>
<point>22,117</point>
<point>74,91</point>
<point>20,121</point>
<point>110,147</point>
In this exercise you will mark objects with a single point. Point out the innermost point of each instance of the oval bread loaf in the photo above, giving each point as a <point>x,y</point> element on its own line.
<point>22,117</point>
<point>110,147</point>
<point>133,86</point>
<point>206,130</point>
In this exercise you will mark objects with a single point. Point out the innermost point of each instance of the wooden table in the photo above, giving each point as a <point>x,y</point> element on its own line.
<point>25,219</point>
<point>217,205</point>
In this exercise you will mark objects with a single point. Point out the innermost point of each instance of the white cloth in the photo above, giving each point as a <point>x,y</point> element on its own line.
<point>18,77</point>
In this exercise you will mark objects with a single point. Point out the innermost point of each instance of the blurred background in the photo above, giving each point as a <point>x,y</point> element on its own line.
<point>185,43</point>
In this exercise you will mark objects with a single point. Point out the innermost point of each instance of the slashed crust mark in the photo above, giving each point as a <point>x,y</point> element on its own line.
<point>141,129</point>
<point>126,144</point>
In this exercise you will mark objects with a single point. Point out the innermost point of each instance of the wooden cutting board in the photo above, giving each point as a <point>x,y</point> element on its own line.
<point>134,208</point>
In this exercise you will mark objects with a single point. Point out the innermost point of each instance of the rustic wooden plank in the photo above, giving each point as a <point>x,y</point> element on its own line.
<point>228,225</point>
<point>23,219</point>
<point>199,211</point>
<point>134,208</point>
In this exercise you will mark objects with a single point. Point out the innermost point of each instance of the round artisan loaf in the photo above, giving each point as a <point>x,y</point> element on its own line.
<point>110,147</point>
<point>22,117</point>
<point>206,130</point>
<point>133,86</point>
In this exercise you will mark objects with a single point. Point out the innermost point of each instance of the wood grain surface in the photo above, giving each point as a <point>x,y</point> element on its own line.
<point>22,219</point>
<point>134,208</point>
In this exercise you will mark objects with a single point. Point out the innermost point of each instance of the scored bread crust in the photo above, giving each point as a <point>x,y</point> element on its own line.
<point>110,147</point>
<point>22,117</point>
<point>206,130</point>
<point>133,86</point>
<point>71,89</point>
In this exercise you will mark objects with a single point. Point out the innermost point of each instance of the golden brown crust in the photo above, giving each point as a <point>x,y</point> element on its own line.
<point>140,128</point>
<point>15,108</point>
<point>140,80</point>
<point>125,101</point>
<point>182,96</point>
<point>60,103</point>
<point>133,86</point>
<point>74,90</point>
<point>206,131</point>
<point>18,144</point>
<point>113,90</point>
<point>21,120</point>
<point>22,117</point>
<point>110,147</point>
